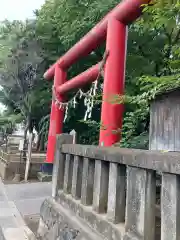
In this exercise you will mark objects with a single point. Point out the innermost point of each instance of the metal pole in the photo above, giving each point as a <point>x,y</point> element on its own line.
<point>112,114</point>
<point>57,116</point>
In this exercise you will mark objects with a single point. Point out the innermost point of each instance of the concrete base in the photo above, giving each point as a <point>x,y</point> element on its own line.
<point>44,177</point>
<point>66,218</point>
<point>32,222</point>
<point>17,178</point>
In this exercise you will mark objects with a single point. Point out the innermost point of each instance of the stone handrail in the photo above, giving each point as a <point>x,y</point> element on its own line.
<point>119,188</point>
<point>153,160</point>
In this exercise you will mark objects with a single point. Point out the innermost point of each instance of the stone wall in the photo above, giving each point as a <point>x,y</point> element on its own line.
<point>58,223</point>
<point>10,162</point>
<point>8,170</point>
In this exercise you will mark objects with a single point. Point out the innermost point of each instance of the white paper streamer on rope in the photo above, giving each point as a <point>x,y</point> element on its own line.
<point>88,101</point>
<point>88,96</point>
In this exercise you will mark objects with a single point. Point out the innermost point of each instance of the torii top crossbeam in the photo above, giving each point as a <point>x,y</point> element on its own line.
<point>126,12</point>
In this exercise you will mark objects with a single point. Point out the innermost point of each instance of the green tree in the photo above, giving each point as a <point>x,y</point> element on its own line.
<point>152,59</point>
<point>23,89</point>
<point>158,41</point>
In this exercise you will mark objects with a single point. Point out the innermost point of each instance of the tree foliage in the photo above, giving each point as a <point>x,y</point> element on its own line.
<point>160,30</point>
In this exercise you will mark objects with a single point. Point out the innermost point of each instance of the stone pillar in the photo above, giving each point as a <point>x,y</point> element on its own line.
<point>101,179</point>
<point>87,181</point>
<point>68,173</point>
<point>116,193</point>
<point>59,164</point>
<point>77,177</point>
<point>170,207</point>
<point>140,203</point>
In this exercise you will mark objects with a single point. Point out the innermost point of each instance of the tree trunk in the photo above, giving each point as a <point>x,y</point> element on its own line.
<point>40,143</point>
<point>28,124</point>
<point>41,147</point>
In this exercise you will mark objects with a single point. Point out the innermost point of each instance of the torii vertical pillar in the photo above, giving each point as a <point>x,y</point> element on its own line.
<point>57,115</point>
<point>111,113</point>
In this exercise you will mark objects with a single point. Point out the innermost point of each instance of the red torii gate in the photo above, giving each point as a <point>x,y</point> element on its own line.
<point>113,29</point>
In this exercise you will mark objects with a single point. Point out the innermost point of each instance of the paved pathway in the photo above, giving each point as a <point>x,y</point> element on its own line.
<point>28,197</point>
<point>17,201</point>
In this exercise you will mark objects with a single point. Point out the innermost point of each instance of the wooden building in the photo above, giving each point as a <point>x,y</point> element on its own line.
<point>165,122</point>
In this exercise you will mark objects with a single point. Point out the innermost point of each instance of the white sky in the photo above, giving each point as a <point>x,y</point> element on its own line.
<point>18,9</point>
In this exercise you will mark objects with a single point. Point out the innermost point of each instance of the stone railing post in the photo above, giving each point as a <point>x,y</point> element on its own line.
<point>74,134</point>
<point>101,179</point>
<point>59,163</point>
<point>68,173</point>
<point>87,181</point>
<point>116,193</point>
<point>140,203</point>
<point>77,177</point>
<point>170,207</point>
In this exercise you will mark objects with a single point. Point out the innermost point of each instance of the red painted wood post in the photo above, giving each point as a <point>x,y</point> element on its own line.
<point>112,114</point>
<point>57,115</point>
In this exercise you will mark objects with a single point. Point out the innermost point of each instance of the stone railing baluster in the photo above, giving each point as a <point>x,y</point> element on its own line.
<point>77,177</point>
<point>170,207</point>
<point>140,203</point>
<point>116,193</point>
<point>122,184</point>
<point>87,181</point>
<point>101,178</point>
<point>68,173</point>
<point>59,163</point>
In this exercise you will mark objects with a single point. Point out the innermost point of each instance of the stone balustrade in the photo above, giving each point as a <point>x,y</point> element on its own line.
<point>114,190</point>
<point>4,155</point>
